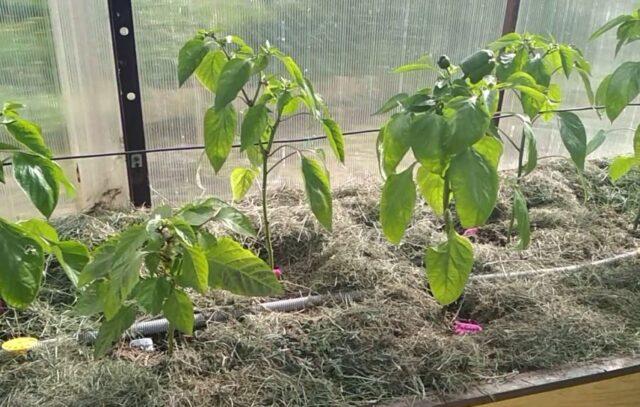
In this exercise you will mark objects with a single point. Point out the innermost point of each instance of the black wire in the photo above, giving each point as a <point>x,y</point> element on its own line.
<point>297,140</point>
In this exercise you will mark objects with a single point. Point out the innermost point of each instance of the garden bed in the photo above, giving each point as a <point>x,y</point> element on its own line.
<point>396,342</point>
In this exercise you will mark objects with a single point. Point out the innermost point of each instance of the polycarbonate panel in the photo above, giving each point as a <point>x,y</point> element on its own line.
<point>346,48</point>
<point>573,21</point>
<point>56,58</point>
<point>28,75</point>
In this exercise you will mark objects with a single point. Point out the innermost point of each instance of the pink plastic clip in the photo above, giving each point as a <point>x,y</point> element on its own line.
<point>470,232</point>
<point>464,327</point>
<point>278,272</point>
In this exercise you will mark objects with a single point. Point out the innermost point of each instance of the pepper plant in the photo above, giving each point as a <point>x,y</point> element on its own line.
<point>620,88</point>
<point>456,147</point>
<point>150,267</point>
<point>24,245</point>
<point>228,67</point>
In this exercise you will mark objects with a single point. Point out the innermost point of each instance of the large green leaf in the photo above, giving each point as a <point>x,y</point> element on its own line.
<point>622,165</point>
<point>396,140</point>
<point>335,137</point>
<point>234,76</point>
<point>574,137</point>
<point>397,203</point>
<point>195,270</point>
<point>241,181</point>
<point>448,267</point>
<point>151,293</point>
<point>73,257</point>
<point>110,331</point>
<point>428,133</point>
<point>235,220</point>
<point>392,103</point>
<point>623,87</point>
<point>189,58</point>
<point>100,264</point>
<point>567,57</point>
<point>178,309</point>
<point>29,134</point>
<point>474,183</point>
<point>596,141</point>
<point>609,25</point>
<point>238,270</point>
<point>521,215</point>
<point>38,177</point>
<point>253,126</point>
<point>219,132</point>
<point>491,149</point>
<point>424,63</point>
<point>21,266</point>
<point>601,93</point>
<point>431,188</point>
<point>209,69</point>
<point>468,120</point>
<point>530,147</point>
<point>316,184</point>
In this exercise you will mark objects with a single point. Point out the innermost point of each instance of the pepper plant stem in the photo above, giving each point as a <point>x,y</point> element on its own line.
<point>520,168</point>
<point>265,215</point>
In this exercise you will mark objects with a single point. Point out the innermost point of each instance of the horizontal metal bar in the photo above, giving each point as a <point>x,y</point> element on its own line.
<point>296,140</point>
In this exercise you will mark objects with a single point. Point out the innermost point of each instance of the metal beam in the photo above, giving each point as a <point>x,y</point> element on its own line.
<point>124,50</point>
<point>508,26</point>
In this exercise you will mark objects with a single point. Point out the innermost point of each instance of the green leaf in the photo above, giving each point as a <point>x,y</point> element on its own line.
<point>621,165</point>
<point>474,183</point>
<point>41,231</point>
<point>537,68</point>
<point>574,137</point>
<point>396,141</point>
<point>2,179</point>
<point>178,309</point>
<point>209,69</point>
<point>8,147</point>
<point>235,74</point>
<point>238,270</point>
<point>189,58</point>
<point>623,87</point>
<point>219,132</point>
<point>235,220</point>
<point>110,331</point>
<point>392,103</point>
<point>448,267</point>
<point>424,63</point>
<point>397,203</point>
<point>21,267</point>
<point>195,270</point>
<point>316,184</point>
<point>587,88</point>
<point>28,134</point>
<point>521,215</point>
<point>428,133</point>
<point>73,257</point>
<point>567,57</point>
<point>468,119</point>
<point>596,141</point>
<point>151,293</point>
<point>253,126</point>
<point>509,64</point>
<point>241,181</point>
<point>609,25</point>
<point>601,93</point>
<point>37,177</point>
<point>491,149</point>
<point>100,264</point>
<point>88,302</point>
<point>530,147</point>
<point>335,137</point>
<point>431,188</point>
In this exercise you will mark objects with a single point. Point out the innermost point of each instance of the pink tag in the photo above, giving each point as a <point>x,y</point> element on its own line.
<point>278,272</point>
<point>470,232</point>
<point>464,327</point>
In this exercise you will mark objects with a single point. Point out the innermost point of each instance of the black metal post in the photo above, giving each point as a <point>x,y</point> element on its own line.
<point>508,26</point>
<point>124,51</point>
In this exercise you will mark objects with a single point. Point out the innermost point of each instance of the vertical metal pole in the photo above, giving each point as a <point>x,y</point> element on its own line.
<point>508,26</point>
<point>124,50</point>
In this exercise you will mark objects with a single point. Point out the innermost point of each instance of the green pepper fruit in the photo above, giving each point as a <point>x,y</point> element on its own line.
<point>478,65</point>
<point>444,62</point>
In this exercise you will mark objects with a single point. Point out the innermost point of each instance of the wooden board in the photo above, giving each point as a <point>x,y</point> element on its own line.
<point>620,391</point>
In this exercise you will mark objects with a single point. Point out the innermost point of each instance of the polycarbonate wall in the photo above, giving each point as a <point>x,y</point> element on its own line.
<point>346,48</point>
<point>573,21</point>
<point>56,57</point>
